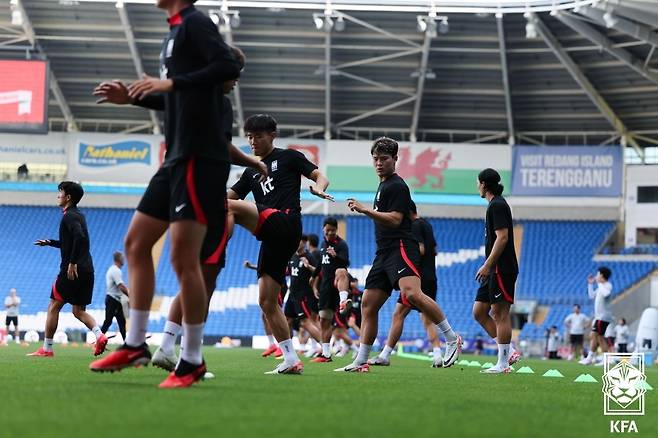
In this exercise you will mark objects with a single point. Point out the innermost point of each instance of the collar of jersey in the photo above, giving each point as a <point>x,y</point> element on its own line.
<point>177,19</point>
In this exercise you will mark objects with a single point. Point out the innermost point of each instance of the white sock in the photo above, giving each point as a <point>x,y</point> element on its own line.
<point>326,349</point>
<point>289,354</point>
<point>386,352</point>
<point>48,344</point>
<point>445,328</point>
<point>364,352</point>
<point>503,355</point>
<point>138,321</point>
<point>271,339</point>
<point>590,355</point>
<point>97,331</point>
<point>314,344</point>
<point>171,332</point>
<point>436,352</point>
<point>343,294</point>
<point>193,341</point>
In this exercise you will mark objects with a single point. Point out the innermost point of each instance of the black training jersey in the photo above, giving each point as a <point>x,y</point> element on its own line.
<point>197,60</point>
<point>356,296</point>
<point>281,189</point>
<point>499,216</point>
<point>393,195</point>
<point>329,264</point>
<point>317,257</point>
<point>227,118</point>
<point>73,241</point>
<point>300,275</point>
<point>423,233</point>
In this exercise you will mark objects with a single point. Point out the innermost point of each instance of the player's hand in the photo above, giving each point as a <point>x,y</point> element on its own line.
<point>482,273</point>
<point>262,169</point>
<point>149,85</point>
<point>72,271</point>
<point>113,92</point>
<point>590,279</point>
<point>42,242</point>
<point>304,261</point>
<point>316,292</point>
<point>321,194</point>
<point>331,251</point>
<point>355,205</point>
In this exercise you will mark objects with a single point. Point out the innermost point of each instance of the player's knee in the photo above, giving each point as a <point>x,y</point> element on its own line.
<point>326,314</point>
<point>78,312</point>
<point>268,304</point>
<point>341,274</point>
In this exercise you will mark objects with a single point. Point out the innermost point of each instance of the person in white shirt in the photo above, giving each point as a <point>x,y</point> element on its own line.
<point>610,335</point>
<point>602,315</point>
<point>621,336</point>
<point>553,343</point>
<point>12,303</point>
<point>115,289</point>
<point>576,324</point>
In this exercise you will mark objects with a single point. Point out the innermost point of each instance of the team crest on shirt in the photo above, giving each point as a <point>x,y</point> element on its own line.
<point>275,165</point>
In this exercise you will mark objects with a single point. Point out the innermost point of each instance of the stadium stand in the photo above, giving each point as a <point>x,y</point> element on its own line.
<point>555,260</point>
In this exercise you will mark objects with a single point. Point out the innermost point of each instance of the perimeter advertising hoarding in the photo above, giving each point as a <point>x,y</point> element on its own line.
<point>24,96</point>
<point>567,171</point>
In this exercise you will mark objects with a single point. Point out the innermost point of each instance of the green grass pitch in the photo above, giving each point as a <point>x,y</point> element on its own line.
<point>60,397</point>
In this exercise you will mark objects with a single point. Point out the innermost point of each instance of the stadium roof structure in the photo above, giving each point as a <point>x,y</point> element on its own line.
<point>524,71</point>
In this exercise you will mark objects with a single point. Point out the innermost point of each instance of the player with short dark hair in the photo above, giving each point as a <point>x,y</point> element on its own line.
<point>275,220</point>
<point>576,323</point>
<point>187,194</point>
<point>424,234</point>
<point>602,297</point>
<point>75,282</point>
<point>497,276</point>
<point>397,260</point>
<point>115,288</point>
<point>332,278</point>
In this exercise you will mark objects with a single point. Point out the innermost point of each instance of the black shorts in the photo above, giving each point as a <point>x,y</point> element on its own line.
<point>279,231</point>
<point>329,297</point>
<point>310,305</point>
<point>340,321</point>
<point>213,249</point>
<point>392,264</point>
<point>622,348</point>
<point>553,355</point>
<point>293,309</point>
<point>190,189</point>
<point>77,292</point>
<point>576,340</point>
<point>600,326</point>
<point>497,288</point>
<point>11,319</point>
<point>428,287</point>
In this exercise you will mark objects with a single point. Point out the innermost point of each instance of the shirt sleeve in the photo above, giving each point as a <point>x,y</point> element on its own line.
<point>301,163</point>
<point>243,186</point>
<point>227,119</point>
<point>201,34</point>
<point>154,102</point>
<point>399,198</point>
<point>604,289</point>
<point>74,226</point>
<point>417,231</point>
<point>500,216</point>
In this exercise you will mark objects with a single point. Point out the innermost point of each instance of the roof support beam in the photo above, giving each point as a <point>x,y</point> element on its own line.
<point>377,111</point>
<point>585,84</point>
<point>639,31</point>
<point>648,16</point>
<point>376,84</point>
<point>327,82</point>
<point>505,75</point>
<point>137,60</point>
<point>54,85</point>
<point>378,59</point>
<point>594,36</point>
<point>420,86</point>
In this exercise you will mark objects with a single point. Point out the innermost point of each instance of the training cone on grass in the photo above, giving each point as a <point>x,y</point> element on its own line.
<point>525,370</point>
<point>475,363</point>
<point>463,362</point>
<point>552,373</point>
<point>487,365</point>
<point>585,378</point>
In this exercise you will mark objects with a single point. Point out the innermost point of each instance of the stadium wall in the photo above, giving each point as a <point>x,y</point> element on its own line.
<point>639,214</point>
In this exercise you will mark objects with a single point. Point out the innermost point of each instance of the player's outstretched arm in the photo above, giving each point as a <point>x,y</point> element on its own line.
<point>48,242</point>
<point>239,158</point>
<point>390,219</point>
<point>117,93</point>
<point>321,184</point>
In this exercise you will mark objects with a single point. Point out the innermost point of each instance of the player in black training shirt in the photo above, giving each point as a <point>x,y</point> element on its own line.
<point>300,270</point>
<point>424,234</point>
<point>275,220</point>
<point>334,283</point>
<point>187,194</point>
<point>75,282</point>
<point>397,258</point>
<point>497,276</point>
